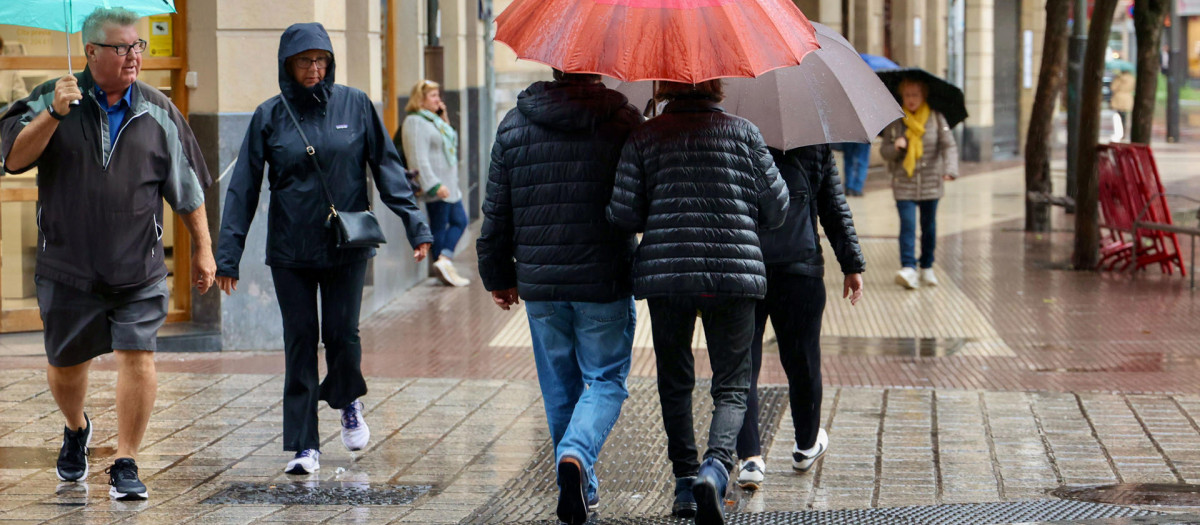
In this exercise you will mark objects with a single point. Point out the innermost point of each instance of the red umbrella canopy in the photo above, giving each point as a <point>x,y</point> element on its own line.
<point>677,40</point>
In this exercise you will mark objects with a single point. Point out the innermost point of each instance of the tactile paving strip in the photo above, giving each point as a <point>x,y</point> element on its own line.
<point>635,475</point>
<point>957,514</point>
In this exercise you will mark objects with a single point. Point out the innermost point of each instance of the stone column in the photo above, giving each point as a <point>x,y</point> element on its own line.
<point>1033,19</point>
<point>363,47</point>
<point>936,20</point>
<point>980,80</point>
<point>867,17</point>
<point>908,33</point>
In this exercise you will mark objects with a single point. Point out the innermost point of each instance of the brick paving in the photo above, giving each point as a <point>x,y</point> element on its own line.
<point>1013,378</point>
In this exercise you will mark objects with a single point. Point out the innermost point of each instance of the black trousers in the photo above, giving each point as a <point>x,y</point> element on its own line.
<point>728,327</point>
<point>341,290</point>
<point>795,304</point>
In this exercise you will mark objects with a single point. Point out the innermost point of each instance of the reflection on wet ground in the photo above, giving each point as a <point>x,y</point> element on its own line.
<point>1156,494</point>
<point>317,493</point>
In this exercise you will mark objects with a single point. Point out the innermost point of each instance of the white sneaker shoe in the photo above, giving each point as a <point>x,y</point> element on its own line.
<point>751,474</point>
<point>928,278</point>
<point>907,277</point>
<point>456,279</point>
<point>445,271</point>
<point>803,460</point>
<point>306,461</point>
<point>355,432</point>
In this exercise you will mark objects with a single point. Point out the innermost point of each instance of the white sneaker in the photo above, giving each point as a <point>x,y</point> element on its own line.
<point>456,279</point>
<point>751,474</point>
<point>907,277</point>
<point>306,461</point>
<point>446,272</point>
<point>803,460</point>
<point>355,432</point>
<point>928,278</point>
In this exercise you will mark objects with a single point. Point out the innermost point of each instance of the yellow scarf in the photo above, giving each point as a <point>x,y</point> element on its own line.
<point>915,135</point>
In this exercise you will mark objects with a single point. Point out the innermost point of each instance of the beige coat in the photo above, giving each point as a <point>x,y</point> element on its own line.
<point>940,158</point>
<point>1122,92</point>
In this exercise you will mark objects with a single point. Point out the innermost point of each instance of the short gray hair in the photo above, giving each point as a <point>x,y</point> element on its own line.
<point>93,26</point>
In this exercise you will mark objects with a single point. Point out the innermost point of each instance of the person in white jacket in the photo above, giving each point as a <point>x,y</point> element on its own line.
<point>431,148</point>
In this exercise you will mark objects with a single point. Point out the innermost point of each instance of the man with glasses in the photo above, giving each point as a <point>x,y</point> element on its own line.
<point>108,150</point>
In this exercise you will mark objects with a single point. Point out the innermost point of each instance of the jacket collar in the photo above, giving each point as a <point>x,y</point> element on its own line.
<point>87,84</point>
<point>693,106</point>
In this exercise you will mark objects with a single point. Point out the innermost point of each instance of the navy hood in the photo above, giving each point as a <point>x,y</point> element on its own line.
<point>297,39</point>
<point>570,106</point>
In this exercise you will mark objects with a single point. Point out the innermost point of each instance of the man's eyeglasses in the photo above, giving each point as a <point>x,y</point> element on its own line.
<point>123,49</point>
<point>305,62</point>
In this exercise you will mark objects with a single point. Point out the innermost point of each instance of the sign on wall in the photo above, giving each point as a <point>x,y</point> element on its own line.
<point>161,43</point>
<point>1188,8</point>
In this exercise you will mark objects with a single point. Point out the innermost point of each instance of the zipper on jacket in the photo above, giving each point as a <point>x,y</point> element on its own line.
<point>112,150</point>
<point>39,227</point>
<point>158,232</point>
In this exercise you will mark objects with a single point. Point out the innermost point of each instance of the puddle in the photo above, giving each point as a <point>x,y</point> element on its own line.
<point>317,493</point>
<point>1156,494</point>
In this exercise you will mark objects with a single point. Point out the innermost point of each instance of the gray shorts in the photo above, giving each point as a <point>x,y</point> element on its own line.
<point>82,325</point>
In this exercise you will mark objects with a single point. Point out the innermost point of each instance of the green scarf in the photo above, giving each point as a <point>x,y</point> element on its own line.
<point>449,136</point>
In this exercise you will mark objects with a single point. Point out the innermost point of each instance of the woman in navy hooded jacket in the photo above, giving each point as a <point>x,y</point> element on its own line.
<point>348,136</point>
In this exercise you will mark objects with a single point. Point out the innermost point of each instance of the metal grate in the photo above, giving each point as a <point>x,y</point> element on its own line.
<point>314,493</point>
<point>959,514</point>
<point>633,469</point>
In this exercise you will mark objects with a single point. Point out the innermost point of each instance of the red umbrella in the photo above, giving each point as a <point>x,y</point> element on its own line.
<point>678,40</point>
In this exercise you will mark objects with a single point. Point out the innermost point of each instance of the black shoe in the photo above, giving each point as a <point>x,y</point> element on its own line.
<point>72,457</point>
<point>685,503</point>
<point>709,491</point>
<point>123,476</point>
<point>572,503</point>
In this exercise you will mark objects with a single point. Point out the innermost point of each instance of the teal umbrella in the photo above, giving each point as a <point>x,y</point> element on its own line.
<point>68,15</point>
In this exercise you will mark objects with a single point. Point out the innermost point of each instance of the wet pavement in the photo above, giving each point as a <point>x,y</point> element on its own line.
<point>1013,379</point>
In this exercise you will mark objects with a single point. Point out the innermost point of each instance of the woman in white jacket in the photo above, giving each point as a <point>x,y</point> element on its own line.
<point>431,148</point>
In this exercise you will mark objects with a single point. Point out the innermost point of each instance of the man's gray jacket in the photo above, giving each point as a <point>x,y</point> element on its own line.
<point>100,204</point>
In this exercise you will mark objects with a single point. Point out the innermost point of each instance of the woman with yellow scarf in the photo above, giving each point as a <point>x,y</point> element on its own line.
<point>921,155</point>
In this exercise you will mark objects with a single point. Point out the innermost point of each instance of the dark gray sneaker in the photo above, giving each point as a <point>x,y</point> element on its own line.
<point>73,456</point>
<point>123,476</point>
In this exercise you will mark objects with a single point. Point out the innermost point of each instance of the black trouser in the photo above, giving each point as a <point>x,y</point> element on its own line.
<point>728,327</point>
<point>341,290</point>
<point>795,304</point>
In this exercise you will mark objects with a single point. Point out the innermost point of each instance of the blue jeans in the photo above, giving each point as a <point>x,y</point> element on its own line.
<point>447,221</point>
<point>583,352</point>
<point>908,232</point>
<point>857,156</point>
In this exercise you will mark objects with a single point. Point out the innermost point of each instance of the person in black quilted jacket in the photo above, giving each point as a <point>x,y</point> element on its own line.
<point>700,183</point>
<point>545,239</point>
<point>795,301</point>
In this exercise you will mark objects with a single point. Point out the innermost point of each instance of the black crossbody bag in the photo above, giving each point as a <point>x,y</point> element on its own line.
<point>354,229</point>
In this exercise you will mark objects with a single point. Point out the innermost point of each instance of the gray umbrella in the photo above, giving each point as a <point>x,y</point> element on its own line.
<point>832,96</point>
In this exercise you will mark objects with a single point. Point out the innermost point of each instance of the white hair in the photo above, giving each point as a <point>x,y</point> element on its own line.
<point>93,26</point>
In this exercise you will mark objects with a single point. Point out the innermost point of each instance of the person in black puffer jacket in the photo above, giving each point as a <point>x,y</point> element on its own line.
<point>700,183</point>
<point>545,238</point>
<point>796,299</point>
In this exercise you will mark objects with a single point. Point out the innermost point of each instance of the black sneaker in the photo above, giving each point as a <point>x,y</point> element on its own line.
<point>685,503</point>
<point>72,457</point>
<point>572,504</point>
<point>709,491</point>
<point>123,476</point>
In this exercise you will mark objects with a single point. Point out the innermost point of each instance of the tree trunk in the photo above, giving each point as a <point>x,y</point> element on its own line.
<point>1148,23</point>
<point>1041,124</point>
<point>1087,202</point>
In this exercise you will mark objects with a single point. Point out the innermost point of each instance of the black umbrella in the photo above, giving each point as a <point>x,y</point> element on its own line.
<point>944,97</point>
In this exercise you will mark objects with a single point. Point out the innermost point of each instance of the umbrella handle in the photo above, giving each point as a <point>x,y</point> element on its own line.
<point>67,6</point>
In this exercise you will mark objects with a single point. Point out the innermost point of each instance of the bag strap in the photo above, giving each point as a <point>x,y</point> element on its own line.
<point>312,155</point>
